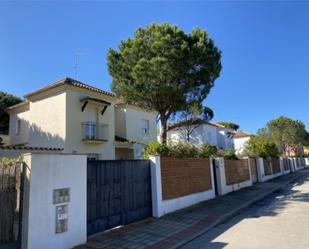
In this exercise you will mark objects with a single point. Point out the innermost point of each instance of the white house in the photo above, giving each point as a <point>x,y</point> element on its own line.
<point>77,118</point>
<point>240,140</point>
<point>206,133</point>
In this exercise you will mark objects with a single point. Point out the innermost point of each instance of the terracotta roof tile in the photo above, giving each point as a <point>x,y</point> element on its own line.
<point>242,134</point>
<point>23,147</point>
<point>72,82</point>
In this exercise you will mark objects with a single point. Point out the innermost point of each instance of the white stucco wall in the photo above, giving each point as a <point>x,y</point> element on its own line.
<point>240,143</point>
<point>134,120</point>
<point>204,134</point>
<point>210,135</point>
<point>55,120</point>
<point>224,142</point>
<point>75,117</point>
<point>47,172</point>
<point>120,121</point>
<point>23,136</point>
<point>47,120</point>
<point>173,136</point>
<point>161,207</point>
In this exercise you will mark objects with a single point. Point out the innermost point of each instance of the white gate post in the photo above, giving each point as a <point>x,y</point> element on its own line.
<point>156,186</point>
<point>55,206</point>
<point>220,172</point>
<point>281,165</point>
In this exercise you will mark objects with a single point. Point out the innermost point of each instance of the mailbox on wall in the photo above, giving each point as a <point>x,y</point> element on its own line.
<point>61,196</point>
<point>61,218</point>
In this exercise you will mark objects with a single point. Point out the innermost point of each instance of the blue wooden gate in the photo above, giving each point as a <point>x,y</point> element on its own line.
<point>118,193</point>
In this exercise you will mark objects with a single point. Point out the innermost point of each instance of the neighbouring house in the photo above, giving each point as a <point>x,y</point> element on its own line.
<point>294,151</point>
<point>240,140</point>
<point>205,133</point>
<point>77,118</point>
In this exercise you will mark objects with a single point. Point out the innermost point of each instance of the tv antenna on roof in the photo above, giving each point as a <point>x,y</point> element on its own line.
<point>76,66</point>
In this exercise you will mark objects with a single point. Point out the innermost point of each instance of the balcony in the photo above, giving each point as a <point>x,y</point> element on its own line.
<point>95,132</point>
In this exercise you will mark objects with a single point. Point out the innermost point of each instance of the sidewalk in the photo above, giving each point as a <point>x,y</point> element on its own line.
<point>175,229</point>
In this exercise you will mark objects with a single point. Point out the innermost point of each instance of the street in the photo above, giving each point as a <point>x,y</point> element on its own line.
<point>278,221</point>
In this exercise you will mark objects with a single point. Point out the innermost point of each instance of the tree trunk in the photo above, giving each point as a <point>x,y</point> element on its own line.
<point>188,136</point>
<point>163,129</point>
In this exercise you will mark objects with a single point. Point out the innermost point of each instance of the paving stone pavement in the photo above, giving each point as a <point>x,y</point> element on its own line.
<point>175,229</point>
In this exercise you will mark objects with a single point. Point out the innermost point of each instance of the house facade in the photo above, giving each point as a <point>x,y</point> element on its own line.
<point>240,140</point>
<point>77,118</point>
<point>205,133</point>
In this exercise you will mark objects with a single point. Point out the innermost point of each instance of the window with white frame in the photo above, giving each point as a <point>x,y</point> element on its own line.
<point>18,123</point>
<point>145,126</point>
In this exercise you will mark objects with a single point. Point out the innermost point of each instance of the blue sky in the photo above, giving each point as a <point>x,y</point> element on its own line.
<point>265,49</point>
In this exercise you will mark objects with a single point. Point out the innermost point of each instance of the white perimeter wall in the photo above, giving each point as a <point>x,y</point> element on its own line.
<point>161,207</point>
<point>223,188</point>
<point>261,173</point>
<point>45,173</point>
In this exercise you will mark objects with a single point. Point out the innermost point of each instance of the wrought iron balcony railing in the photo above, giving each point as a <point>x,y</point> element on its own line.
<point>95,132</point>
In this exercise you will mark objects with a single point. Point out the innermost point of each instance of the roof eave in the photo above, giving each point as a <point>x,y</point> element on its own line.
<point>19,105</point>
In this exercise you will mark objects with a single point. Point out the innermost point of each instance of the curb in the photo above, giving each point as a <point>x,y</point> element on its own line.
<point>236,211</point>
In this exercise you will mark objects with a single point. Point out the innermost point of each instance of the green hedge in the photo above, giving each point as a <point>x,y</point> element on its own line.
<point>185,150</point>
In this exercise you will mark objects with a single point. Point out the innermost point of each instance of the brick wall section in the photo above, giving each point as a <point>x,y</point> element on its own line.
<point>267,167</point>
<point>276,165</point>
<point>236,171</point>
<point>184,176</point>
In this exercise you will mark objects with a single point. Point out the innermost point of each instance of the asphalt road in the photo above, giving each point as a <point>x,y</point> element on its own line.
<point>280,221</point>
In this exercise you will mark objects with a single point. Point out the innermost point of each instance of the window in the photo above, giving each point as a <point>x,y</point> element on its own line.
<point>90,131</point>
<point>17,126</point>
<point>145,126</point>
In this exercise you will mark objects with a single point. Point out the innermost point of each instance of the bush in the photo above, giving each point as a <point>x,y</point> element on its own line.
<point>227,154</point>
<point>262,147</point>
<point>183,150</point>
<point>6,162</point>
<point>180,150</point>
<point>208,150</point>
<point>156,149</point>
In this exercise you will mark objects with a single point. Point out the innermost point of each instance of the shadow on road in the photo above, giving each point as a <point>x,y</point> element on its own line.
<point>272,205</point>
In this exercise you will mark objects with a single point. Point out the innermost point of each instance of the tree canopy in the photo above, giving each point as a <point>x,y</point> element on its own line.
<point>230,125</point>
<point>6,100</point>
<point>287,133</point>
<point>279,135</point>
<point>262,146</point>
<point>163,69</point>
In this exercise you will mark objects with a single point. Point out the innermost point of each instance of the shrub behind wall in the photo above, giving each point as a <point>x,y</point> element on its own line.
<point>185,150</point>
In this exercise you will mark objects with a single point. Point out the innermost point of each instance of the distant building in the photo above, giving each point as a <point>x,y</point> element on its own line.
<point>240,140</point>
<point>206,133</point>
